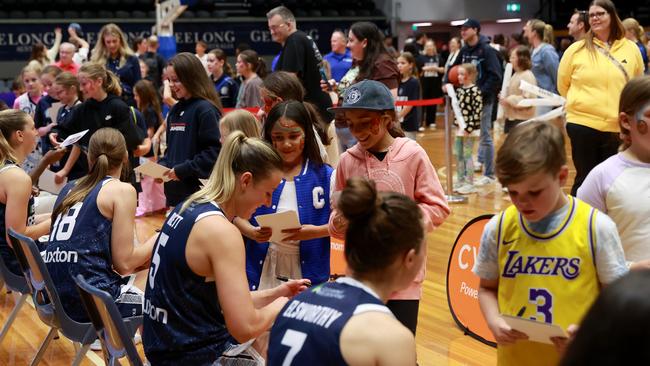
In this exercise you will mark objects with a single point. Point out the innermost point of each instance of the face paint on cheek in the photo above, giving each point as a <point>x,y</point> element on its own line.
<point>642,125</point>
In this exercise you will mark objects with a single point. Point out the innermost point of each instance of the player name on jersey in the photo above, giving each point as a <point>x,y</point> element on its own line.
<point>320,315</point>
<point>517,264</point>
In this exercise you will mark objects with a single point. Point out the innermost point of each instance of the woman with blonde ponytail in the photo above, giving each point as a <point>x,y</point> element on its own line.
<point>102,107</point>
<point>199,248</point>
<point>92,231</point>
<point>635,33</point>
<point>18,137</point>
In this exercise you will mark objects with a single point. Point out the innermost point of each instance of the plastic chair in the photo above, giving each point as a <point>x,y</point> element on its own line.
<point>16,284</point>
<point>50,311</point>
<point>115,334</point>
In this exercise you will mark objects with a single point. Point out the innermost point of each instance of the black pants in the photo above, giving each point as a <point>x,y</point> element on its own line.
<point>406,311</point>
<point>589,148</point>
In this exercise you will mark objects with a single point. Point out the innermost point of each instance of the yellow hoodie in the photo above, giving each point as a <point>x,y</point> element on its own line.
<point>592,83</point>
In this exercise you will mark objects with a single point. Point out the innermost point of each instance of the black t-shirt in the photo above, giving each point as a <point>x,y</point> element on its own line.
<point>431,81</point>
<point>300,55</point>
<point>410,90</point>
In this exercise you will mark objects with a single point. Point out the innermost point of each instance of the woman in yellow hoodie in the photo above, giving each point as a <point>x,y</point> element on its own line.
<point>592,74</point>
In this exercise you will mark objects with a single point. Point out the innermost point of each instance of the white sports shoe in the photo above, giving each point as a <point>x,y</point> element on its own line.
<point>483,181</point>
<point>97,344</point>
<point>466,189</point>
<point>478,166</point>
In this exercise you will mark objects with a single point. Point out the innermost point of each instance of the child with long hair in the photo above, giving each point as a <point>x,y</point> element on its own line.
<point>305,189</point>
<point>18,137</point>
<point>395,164</point>
<point>152,197</point>
<point>385,249</point>
<point>281,86</point>
<point>192,128</point>
<point>73,165</point>
<point>198,302</point>
<point>31,78</point>
<point>619,185</point>
<point>408,89</point>
<point>221,75</point>
<point>252,69</point>
<point>239,120</point>
<point>470,101</point>
<point>93,224</point>
<point>521,64</point>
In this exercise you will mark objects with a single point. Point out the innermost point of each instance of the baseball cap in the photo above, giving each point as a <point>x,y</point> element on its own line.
<point>366,94</point>
<point>471,23</point>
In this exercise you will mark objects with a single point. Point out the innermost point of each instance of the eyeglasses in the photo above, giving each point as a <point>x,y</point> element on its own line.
<point>597,15</point>
<point>275,27</point>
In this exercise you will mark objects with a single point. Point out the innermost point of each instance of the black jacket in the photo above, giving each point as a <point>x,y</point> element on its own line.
<point>490,71</point>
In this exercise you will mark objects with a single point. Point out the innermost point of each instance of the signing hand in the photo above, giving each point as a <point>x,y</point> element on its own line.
<point>292,288</point>
<point>52,156</point>
<point>260,234</point>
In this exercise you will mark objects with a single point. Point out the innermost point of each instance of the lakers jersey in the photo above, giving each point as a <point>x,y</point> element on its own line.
<point>548,278</point>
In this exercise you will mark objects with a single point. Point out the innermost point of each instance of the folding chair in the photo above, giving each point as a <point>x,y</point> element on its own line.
<point>13,283</point>
<point>115,334</point>
<point>46,300</point>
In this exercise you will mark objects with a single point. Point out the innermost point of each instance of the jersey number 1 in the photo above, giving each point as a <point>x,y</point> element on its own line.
<point>294,340</point>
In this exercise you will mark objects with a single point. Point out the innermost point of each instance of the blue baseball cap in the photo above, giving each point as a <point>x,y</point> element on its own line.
<point>471,23</point>
<point>366,94</point>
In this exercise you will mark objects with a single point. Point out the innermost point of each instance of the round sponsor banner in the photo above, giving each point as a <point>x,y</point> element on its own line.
<point>463,284</point>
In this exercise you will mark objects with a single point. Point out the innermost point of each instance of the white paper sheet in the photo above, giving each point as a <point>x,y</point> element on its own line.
<point>278,222</point>
<point>507,75</point>
<point>72,139</point>
<point>53,111</point>
<point>540,102</point>
<point>46,182</point>
<point>536,331</point>
<point>557,112</point>
<point>456,108</point>
<point>542,93</point>
<point>153,170</point>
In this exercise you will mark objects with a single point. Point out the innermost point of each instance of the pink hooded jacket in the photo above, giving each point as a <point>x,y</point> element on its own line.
<point>406,169</point>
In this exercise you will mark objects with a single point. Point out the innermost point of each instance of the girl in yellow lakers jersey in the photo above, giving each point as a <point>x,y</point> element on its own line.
<point>545,257</point>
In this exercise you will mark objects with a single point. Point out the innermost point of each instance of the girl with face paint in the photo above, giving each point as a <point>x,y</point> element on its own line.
<point>305,188</point>
<point>619,186</point>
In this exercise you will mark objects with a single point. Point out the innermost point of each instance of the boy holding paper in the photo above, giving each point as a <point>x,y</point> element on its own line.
<point>545,257</point>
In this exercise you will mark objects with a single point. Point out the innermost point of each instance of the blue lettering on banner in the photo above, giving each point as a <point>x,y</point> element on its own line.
<point>16,39</point>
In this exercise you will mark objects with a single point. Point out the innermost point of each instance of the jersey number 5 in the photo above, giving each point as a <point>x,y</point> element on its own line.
<point>64,224</point>
<point>294,340</point>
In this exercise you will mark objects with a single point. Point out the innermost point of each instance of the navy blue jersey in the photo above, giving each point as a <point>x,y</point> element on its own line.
<point>8,255</point>
<point>80,243</point>
<point>182,315</point>
<point>227,89</point>
<point>308,329</point>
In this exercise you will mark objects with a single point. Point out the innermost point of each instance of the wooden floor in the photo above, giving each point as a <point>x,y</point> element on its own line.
<point>439,341</point>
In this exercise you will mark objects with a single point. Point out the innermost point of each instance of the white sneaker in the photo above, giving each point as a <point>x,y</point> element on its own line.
<point>483,181</point>
<point>421,129</point>
<point>432,125</point>
<point>457,186</point>
<point>97,344</point>
<point>466,189</point>
<point>478,166</point>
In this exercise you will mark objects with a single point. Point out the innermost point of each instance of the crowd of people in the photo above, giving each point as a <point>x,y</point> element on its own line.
<point>321,136</point>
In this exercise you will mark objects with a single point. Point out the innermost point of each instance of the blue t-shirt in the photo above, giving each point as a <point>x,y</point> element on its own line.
<point>339,63</point>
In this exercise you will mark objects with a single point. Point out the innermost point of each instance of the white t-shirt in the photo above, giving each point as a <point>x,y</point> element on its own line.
<point>620,187</point>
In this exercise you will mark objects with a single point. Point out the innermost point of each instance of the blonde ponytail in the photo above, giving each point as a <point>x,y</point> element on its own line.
<point>11,120</point>
<point>239,154</point>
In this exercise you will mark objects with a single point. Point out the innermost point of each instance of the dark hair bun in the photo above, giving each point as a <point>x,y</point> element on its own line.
<point>359,199</point>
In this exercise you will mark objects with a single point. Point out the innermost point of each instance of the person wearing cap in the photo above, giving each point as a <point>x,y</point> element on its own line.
<point>396,164</point>
<point>477,51</point>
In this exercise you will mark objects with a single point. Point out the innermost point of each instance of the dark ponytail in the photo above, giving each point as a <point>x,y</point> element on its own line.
<point>382,226</point>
